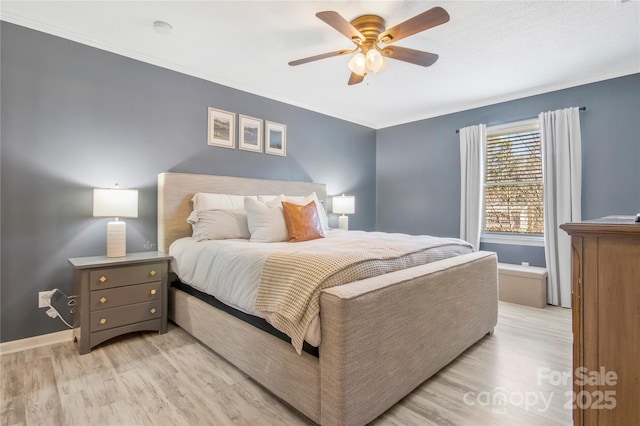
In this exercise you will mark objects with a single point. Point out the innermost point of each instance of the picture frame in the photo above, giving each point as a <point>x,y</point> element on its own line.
<point>250,133</point>
<point>276,139</point>
<point>222,128</point>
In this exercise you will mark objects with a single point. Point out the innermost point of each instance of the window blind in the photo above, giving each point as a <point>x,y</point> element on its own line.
<point>513,181</point>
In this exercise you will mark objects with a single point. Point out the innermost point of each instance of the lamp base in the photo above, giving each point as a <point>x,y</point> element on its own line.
<point>116,239</point>
<point>343,222</point>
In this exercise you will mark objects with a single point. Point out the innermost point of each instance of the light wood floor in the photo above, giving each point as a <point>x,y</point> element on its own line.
<point>172,379</point>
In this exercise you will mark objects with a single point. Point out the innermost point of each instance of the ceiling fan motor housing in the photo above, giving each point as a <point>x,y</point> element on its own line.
<point>370,26</point>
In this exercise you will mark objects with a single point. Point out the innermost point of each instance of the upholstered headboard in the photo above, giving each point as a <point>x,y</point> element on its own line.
<point>175,191</point>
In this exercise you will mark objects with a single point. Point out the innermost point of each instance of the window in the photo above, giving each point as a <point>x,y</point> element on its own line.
<point>513,200</point>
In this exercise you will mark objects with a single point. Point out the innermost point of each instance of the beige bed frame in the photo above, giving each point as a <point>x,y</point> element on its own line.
<point>381,337</point>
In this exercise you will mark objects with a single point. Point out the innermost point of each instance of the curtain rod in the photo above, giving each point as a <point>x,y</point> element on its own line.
<point>582,108</point>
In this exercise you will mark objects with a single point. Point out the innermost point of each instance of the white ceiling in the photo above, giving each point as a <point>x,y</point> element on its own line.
<point>489,51</point>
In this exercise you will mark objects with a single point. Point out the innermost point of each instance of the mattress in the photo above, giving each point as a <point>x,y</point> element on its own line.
<point>255,321</point>
<point>232,270</point>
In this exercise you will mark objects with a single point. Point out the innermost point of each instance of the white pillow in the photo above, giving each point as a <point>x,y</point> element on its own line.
<point>266,221</point>
<point>219,224</point>
<point>303,201</point>
<point>208,201</point>
<point>266,198</point>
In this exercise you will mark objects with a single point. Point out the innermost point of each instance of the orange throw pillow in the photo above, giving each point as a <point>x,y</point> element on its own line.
<point>303,223</point>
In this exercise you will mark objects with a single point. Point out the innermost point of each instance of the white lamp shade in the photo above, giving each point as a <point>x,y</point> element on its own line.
<point>357,64</point>
<point>344,204</point>
<point>374,60</point>
<point>115,202</point>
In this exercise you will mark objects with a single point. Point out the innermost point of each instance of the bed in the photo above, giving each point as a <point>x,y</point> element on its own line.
<point>381,336</point>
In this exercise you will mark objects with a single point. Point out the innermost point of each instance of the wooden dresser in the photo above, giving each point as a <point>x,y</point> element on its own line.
<point>606,320</point>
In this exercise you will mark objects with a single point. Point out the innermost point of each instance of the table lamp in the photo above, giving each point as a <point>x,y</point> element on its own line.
<point>117,203</point>
<point>344,205</point>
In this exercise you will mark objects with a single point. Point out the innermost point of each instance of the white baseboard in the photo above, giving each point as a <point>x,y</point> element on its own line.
<point>36,342</point>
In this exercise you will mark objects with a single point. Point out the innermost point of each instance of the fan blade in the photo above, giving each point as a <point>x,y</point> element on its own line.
<point>317,57</point>
<point>343,26</point>
<point>429,19</point>
<point>413,56</point>
<point>355,79</point>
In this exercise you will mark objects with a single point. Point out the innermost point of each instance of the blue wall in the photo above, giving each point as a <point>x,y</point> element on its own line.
<point>75,118</point>
<point>418,164</point>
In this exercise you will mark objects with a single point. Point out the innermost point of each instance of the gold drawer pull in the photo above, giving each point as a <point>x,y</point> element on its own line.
<point>153,291</point>
<point>103,299</point>
<point>153,310</point>
<point>103,279</point>
<point>152,273</point>
<point>103,321</point>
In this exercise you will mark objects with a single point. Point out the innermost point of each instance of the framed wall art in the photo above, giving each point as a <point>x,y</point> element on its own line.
<point>276,138</point>
<point>222,128</point>
<point>250,133</point>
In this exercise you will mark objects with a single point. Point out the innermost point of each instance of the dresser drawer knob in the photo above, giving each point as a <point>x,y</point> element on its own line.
<point>102,279</point>
<point>103,320</point>
<point>152,273</point>
<point>103,299</point>
<point>153,310</point>
<point>153,291</point>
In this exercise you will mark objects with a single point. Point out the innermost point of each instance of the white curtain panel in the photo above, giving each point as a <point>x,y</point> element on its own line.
<point>472,142</point>
<point>562,181</point>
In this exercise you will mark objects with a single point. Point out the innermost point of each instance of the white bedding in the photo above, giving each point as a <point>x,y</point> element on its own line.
<point>230,270</point>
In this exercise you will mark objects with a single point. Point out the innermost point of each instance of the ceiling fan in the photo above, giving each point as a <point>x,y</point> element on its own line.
<point>367,31</point>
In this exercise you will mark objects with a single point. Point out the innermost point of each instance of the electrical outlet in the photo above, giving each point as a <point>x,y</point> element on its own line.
<point>44,299</point>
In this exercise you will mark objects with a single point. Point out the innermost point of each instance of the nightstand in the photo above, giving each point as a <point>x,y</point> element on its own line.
<point>118,295</point>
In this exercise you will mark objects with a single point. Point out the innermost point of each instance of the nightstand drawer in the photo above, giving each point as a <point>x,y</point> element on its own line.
<point>114,297</point>
<point>115,317</point>
<point>124,275</point>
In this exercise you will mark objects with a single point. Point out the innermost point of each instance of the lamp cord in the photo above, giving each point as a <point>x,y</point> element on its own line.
<point>53,312</point>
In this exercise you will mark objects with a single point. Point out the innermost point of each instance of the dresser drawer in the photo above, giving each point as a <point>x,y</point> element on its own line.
<point>114,297</point>
<point>129,314</point>
<point>124,275</point>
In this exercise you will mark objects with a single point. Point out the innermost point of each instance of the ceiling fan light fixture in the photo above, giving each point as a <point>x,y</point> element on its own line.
<point>367,31</point>
<point>357,64</point>
<point>374,60</point>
